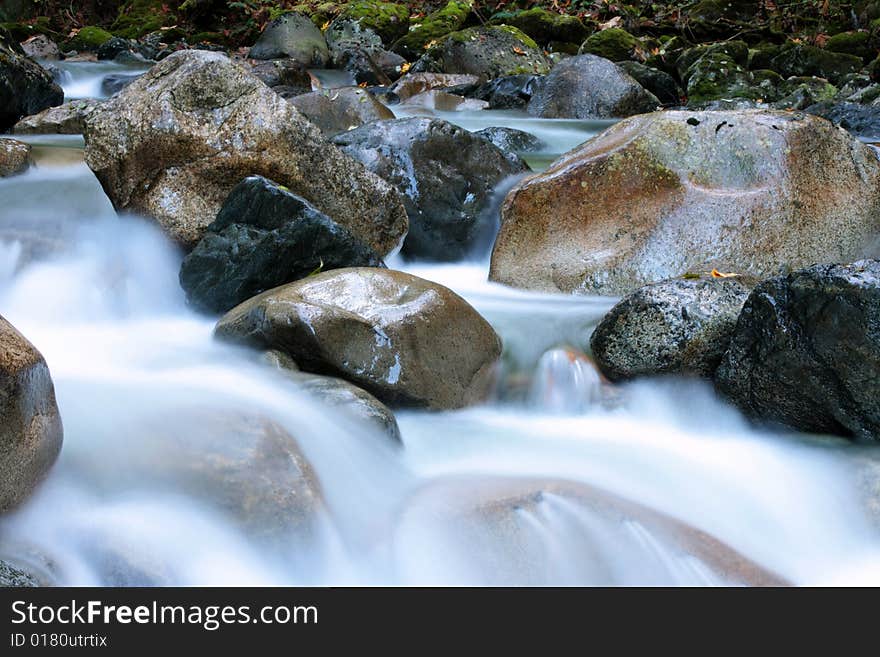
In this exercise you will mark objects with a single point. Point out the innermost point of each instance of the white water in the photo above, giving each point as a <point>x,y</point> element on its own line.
<point>539,486</point>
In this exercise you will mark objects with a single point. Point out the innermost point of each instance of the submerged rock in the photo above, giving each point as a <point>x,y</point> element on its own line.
<point>446,175</point>
<point>265,236</point>
<point>30,427</point>
<point>340,109</point>
<point>658,195</point>
<point>404,339</point>
<point>295,36</point>
<point>15,157</point>
<point>440,101</point>
<point>25,87</point>
<point>67,119</point>
<point>173,144</point>
<point>589,87</point>
<point>678,326</point>
<point>806,351</point>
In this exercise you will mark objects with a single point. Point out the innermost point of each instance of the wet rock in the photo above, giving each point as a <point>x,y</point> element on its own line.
<point>801,60</point>
<point>12,576</point>
<point>376,67</point>
<point>249,467</point>
<point>265,236</point>
<point>488,52</point>
<point>116,82</point>
<point>372,327</point>
<point>716,75</point>
<point>41,47</point>
<point>496,532</point>
<point>860,120</point>
<point>511,92</point>
<point>657,82</point>
<point>661,194</point>
<point>66,119</point>
<point>344,34</point>
<point>614,44</point>
<point>416,83</point>
<point>806,351</point>
<point>340,395</point>
<point>678,326</point>
<point>173,144</point>
<point>15,157</point>
<point>114,47</point>
<point>801,93</point>
<point>287,73</point>
<point>295,36</point>
<point>511,139</point>
<point>30,427</point>
<point>433,27</point>
<point>446,175</point>
<point>735,51</point>
<point>589,87</point>
<point>25,87</point>
<point>340,109</point>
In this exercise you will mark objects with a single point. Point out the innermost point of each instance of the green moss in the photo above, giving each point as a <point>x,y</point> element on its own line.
<point>761,54</point>
<point>544,26</point>
<point>738,51</point>
<point>803,60</point>
<point>717,75</point>
<point>442,22</point>
<point>139,17</point>
<point>387,19</point>
<point>88,38</point>
<point>852,43</point>
<point>207,37</point>
<point>614,44</point>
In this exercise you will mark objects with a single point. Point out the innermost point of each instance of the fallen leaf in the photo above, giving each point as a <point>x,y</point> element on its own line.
<point>719,274</point>
<point>518,51</point>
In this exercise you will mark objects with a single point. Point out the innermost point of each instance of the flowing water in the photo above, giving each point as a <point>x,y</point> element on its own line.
<point>556,480</point>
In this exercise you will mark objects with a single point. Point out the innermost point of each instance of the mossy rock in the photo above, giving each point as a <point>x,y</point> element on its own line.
<point>799,93</point>
<point>738,51</point>
<point>491,52</point>
<point>761,54</point>
<point>387,19</point>
<point>433,27</point>
<point>803,60</point>
<point>139,17</point>
<point>614,44</point>
<point>208,37</point>
<point>563,47</point>
<point>859,44</point>
<point>718,17</point>
<point>545,26</point>
<point>668,53</point>
<point>88,38</point>
<point>717,75</point>
<point>23,31</point>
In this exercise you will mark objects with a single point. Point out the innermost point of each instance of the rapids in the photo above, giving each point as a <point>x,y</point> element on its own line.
<point>663,484</point>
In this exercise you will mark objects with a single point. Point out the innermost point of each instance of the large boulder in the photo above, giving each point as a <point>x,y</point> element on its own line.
<point>25,87</point>
<point>265,236</point>
<point>67,119</point>
<point>589,87</point>
<point>30,427</point>
<point>15,157</point>
<point>489,52</point>
<point>173,144</point>
<point>679,326</point>
<point>802,59</point>
<point>614,44</point>
<point>406,340</point>
<point>806,351</point>
<point>340,109</point>
<point>445,174</point>
<point>658,195</point>
<point>295,36</point>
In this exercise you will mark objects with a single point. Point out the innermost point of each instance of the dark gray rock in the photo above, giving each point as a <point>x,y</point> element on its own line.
<point>25,87</point>
<point>340,109</point>
<point>265,236</point>
<point>677,326</point>
<point>590,87</point>
<point>806,351</point>
<point>510,92</point>
<point>114,47</point>
<point>373,67</point>
<point>292,35</point>
<point>658,82</point>
<point>116,82</point>
<point>283,73</point>
<point>511,139</point>
<point>446,176</point>
<point>860,120</point>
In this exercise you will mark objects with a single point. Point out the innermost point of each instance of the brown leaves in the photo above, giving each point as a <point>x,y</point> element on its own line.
<point>518,51</point>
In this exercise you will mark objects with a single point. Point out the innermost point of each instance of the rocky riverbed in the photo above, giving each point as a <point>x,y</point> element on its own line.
<point>370,294</point>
